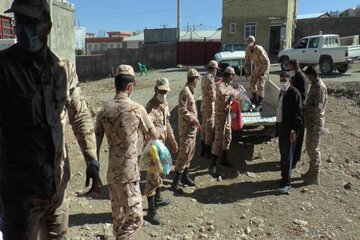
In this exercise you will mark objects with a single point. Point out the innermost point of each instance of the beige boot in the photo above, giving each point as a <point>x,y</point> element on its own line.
<point>312,170</point>
<point>313,179</point>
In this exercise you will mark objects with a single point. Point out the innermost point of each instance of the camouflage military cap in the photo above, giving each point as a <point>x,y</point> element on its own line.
<point>193,73</point>
<point>230,70</point>
<point>30,8</point>
<point>125,70</point>
<point>163,84</point>
<point>213,64</point>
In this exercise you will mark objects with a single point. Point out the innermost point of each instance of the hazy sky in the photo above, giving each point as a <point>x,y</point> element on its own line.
<point>126,15</point>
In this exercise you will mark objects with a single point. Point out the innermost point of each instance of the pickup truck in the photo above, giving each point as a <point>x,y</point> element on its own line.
<point>324,50</point>
<point>255,124</point>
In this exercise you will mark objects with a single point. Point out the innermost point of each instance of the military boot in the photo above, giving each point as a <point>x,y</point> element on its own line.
<point>258,107</point>
<point>159,200</point>
<point>208,151</point>
<point>312,170</point>
<point>213,171</point>
<point>313,179</point>
<point>186,180</point>
<point>175,186</point>
<point>254,99</point>
<point>203,148</point>
<point>152,215</point>
<point>224,160</point>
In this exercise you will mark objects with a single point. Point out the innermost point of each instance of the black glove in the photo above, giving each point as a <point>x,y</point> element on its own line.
<point>92,172</point>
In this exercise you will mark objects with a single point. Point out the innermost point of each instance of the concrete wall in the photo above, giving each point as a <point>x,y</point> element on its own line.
<point>263,13</point>
<point>344,26</point>
<point>62,37</point>
<point>102,66</point>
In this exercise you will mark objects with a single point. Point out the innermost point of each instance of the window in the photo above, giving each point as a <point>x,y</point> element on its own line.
<point>232,28</point>
<point>302,43</point>
<point>249,30</point>
<point>90,46</point>
<point>6,28</point>
<point>314,42</point>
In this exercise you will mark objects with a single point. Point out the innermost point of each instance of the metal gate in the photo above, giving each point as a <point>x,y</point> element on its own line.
<point>196,53</point>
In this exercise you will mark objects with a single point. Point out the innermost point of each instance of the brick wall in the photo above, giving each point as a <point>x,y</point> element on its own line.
<point>344,26</point>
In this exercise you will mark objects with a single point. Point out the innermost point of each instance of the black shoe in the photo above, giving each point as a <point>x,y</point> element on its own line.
<point>224,160</point>
<point>185,179</point>
<point>159,200</point>
<point>175,186</point>
<point>152,215</point>
<point>203,149</point>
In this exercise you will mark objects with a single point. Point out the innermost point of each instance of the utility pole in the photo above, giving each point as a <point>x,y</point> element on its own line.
<point>178,19</point>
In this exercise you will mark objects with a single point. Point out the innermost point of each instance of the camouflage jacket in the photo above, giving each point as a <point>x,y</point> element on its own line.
<point>223,93</point>
<point>208,92</point>
<point>120,120</point>
<point>258,57</point>
<point>187,112</point>
<point>159,115</point>
<point>315,105</point>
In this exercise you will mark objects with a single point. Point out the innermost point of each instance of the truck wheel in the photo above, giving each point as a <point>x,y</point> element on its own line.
<point>342,68</point>
<point>284,63</point>
<point>326,66</point>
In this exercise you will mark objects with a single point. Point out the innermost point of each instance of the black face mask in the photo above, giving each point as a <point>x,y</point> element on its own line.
<point>31,37</point>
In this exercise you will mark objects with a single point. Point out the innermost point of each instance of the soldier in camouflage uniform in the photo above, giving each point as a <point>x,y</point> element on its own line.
<point>224,96</point>
<point>120,119</point>
<point>159,114</point>
<point>37,93</point>
<point>257,55</point>
<point>188,127</point>
<point>208,91</point>
<point>314,111</point>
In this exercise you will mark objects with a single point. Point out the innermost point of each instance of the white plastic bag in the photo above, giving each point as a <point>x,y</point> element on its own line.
<point>243,99</point>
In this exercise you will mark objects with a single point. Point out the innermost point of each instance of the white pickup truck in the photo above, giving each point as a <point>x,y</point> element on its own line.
<point>324,50</point>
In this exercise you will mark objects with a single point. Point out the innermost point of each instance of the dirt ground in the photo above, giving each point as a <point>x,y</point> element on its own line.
<point>245,204</point>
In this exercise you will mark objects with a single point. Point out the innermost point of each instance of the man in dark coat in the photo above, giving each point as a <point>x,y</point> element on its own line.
<point>289,119</point>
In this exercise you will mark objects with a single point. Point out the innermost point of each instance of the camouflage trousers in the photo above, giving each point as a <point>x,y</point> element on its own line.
<point>153,182</point>
<point>313,147</point>
<point>208,128</point>
<point>35,218</point>
<point>186,152</point>
<point>258,79</point>
<point>126,205</point>
<point>222,134</point>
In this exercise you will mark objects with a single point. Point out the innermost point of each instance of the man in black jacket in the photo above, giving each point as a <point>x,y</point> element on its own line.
<point>300,82</point>
<point>289,120</point>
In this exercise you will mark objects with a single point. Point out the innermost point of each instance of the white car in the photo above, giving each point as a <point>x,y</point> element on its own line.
<point>324,50</point>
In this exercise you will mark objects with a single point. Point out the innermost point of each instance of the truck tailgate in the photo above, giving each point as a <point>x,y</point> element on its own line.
<point>256,119</point>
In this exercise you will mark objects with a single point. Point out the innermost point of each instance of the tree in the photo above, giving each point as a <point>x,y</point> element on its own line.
<point>79,51</point>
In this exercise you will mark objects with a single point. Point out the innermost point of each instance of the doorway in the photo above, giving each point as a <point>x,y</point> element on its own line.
<point>275,38</point>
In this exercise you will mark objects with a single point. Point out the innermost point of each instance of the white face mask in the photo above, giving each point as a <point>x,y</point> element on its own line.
<point>284,86</point>
<point>161,97</point>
